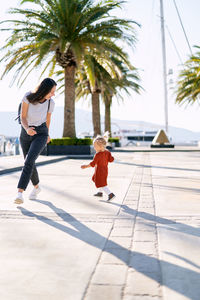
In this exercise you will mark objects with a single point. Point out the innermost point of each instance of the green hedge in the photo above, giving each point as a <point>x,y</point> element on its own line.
<point>70,141</point>
<point>75,141</point>
<point>113,140</point>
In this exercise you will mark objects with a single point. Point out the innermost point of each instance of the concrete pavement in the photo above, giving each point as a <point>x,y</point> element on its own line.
<point>68,245</point>
<point>9,164</point>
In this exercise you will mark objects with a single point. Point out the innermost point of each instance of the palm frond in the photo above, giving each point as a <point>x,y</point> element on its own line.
<point>188,85</point>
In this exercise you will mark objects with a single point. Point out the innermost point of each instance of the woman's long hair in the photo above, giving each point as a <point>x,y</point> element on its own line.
<point>42,90</point>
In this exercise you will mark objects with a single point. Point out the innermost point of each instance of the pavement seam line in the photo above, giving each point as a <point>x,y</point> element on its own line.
<point>132,238</point>
<point>126,275</point>
<point>144,184</point>
<point>95,267</point>
<point>109,235</point>
<point>157,237</point>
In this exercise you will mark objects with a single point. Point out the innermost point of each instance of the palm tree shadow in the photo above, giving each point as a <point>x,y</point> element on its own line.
<point>187,229</point>
<point>135,260</point>
<point>155,167</point>
<point>183,259</point>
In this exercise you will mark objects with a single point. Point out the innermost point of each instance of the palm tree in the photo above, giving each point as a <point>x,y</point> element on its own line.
<point>84,88</point>
<point>128,79</point>
<point>62,32</point>
<point>188,90</point>
<point>94,72</point>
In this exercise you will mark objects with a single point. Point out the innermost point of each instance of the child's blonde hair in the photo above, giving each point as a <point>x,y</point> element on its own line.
<point>102,139</point>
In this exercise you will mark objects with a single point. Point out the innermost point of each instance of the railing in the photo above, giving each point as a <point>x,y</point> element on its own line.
<point>9,148</point>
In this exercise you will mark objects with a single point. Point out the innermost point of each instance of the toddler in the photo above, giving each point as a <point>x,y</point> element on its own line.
<point>100,162</point>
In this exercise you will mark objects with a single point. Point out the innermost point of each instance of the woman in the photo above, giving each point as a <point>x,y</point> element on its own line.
<point>35,117</point>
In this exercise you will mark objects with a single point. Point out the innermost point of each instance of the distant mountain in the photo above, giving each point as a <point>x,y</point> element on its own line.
<point>9,127</point>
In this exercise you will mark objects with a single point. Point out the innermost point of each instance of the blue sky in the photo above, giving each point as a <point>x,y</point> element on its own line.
<point>149,106</point>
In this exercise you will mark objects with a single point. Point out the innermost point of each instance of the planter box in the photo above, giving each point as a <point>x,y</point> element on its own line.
<point>67,150</point>
<point>162,146</point>
<point>117,144</point>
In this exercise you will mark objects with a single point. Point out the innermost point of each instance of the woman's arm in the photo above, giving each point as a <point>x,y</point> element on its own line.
<point>48,121</point>
<point>23,116</point>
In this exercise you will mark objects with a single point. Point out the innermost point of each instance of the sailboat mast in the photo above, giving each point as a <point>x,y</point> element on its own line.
<point>164,65</point>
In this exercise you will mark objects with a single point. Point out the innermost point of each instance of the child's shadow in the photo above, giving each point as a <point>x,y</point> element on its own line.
<point>136,260</point>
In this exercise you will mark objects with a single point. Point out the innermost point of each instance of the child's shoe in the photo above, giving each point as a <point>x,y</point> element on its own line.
<point>34,193</point>
<point>111,196</point>
<point>19,199</point>
<point>99,194</point>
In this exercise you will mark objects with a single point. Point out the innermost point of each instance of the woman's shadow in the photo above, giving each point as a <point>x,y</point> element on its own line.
<point>147,265</point>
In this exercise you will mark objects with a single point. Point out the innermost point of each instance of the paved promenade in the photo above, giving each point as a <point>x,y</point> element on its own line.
<point>68,245</point>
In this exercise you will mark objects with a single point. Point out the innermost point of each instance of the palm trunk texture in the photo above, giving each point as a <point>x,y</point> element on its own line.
<point>69,107</point>
<point>96,116</point>
<point>108,115</point>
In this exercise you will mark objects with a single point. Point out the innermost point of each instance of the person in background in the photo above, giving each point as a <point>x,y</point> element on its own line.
<point>36,110</point>
<point>100,162</point>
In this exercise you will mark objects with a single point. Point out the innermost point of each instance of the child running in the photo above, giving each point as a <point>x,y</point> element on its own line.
<point>100,162</point>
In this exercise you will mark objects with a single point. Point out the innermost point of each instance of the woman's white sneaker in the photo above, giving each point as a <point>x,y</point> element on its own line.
<point>19,199</point>
<point>34,193</point>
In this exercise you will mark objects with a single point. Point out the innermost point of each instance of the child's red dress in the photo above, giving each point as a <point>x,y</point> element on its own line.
<point>100,162</point>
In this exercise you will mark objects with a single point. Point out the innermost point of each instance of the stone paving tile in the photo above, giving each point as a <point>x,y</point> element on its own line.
<point>126,214</point>
<point>145,236</point>
<point>103,292</point>
<point>115,256</point>
<point>146,204</point>
<point>140,284</point>
<point>146,195</point>
<point>110,274</point>
<point>133,195</point>
<point>145,218</point>
<point>123,223</point>
<point>143,297</point>
<point>144,263</point>
<point>144,226</point>
<point>148,211</point>
<point>130,208</point>
<point>118,242</point>
<point>122,231</point>
<point>148,248</point>
<point>145,215</point>
<point>130,202</point>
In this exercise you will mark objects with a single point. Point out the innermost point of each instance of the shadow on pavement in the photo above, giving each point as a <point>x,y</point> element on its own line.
<point>177,188</point>
<point>187,229</point>
<point>155,167</point>
<point>136,260</point>
<point>183,259</point>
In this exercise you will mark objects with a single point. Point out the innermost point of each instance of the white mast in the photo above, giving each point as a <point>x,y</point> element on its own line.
<point>164,65</point>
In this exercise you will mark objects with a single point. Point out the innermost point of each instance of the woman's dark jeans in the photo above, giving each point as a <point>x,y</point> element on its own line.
<point>32,146</point>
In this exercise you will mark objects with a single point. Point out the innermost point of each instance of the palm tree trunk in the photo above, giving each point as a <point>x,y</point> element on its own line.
<point>107,115</point>
<point>69,107</point>
<point>96,116</point>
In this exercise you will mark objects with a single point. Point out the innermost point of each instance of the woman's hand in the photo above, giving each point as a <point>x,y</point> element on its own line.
<point>49,139</point>
<point>31,131</point>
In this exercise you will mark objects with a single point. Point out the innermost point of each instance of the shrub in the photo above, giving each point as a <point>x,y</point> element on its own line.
<point>70,141</point>
<point>113,140</point>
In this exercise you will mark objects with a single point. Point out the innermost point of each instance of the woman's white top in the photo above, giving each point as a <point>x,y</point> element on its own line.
<point>37,113</point>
